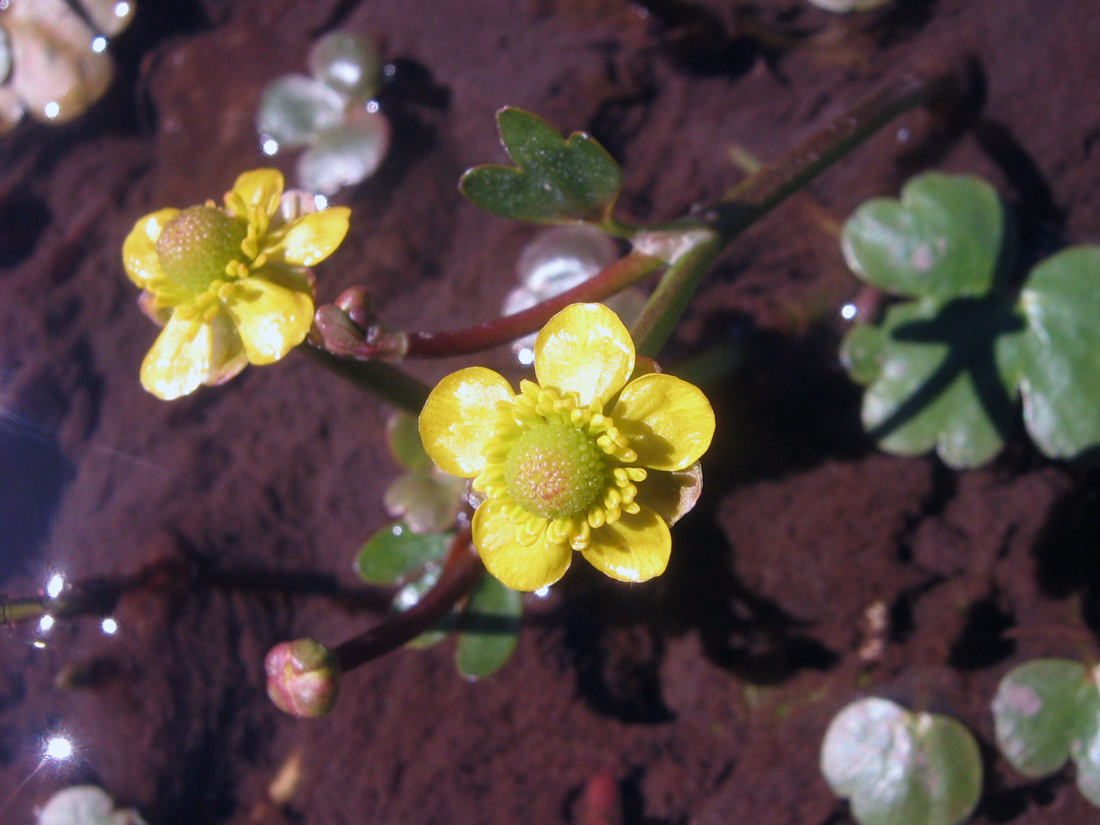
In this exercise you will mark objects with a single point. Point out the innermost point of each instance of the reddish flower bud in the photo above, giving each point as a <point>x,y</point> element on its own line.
<point>303,677</point>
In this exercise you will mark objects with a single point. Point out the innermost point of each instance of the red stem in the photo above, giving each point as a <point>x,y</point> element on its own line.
<point>624,272</point>
<point>461,572</point>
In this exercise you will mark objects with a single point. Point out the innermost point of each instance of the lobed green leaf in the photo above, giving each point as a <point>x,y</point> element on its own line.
<point>555,180</point>
<point>941,241</point>
<point>1060,362</point>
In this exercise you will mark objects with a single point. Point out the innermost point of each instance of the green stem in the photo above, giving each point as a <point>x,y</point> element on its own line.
<point>761,192</point>
<point>392,385</point>
<point>668,302</point>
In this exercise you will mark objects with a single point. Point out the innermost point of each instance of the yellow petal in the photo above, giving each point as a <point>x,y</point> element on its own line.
<point>671,495</point>
<point>270,318</point>
<point>189,354</point>
<point>258,188</point>
<point>633,549</point>
<point>460,416</point>
<point>228,357</point>
<point>669,422</point>
<point>584,349</point>
<point>139,250</point>
<point>515,566</point>
<point>313,237</point>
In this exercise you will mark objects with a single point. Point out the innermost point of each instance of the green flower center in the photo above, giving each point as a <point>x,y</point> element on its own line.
<point>554,471</point>
<point>196,248</point>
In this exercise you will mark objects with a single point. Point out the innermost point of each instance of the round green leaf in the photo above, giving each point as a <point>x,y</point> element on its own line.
<point>396,552</point>
<point>942,240</point>
<point>347,63</point>
<point>346,154</point>
<point>554,181</point>
<point>295,109</point>
<point>901,768</point>
<point>489,629</point>
<point>1060,366</point>
<point>1085,746</point>
<point>938,377</point>
<point>1034,713</point>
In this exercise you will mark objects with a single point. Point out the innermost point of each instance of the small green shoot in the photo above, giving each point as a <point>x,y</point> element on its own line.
<point>946,368</point>
<point>487,627</point>
<point>901,768</point>
<point>1046,712</point>
<point>555,180</point>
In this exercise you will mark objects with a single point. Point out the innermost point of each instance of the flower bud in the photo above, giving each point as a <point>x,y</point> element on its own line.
<point>303,677</point>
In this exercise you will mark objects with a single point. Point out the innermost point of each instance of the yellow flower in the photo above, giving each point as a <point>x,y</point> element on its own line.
<point>576,461</point>
<point>231,285</point>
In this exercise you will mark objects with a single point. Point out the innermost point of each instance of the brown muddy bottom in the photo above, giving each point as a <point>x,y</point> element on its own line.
<point>704,695</point>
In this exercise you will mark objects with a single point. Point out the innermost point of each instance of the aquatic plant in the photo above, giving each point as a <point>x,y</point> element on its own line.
<point>331,112</point>
<point>948,362</point>
<point>897,767</point>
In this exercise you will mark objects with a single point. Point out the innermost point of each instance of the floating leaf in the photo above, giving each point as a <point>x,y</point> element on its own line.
<point>942,240</point>
<point>394,553</point>
<point>1034,714</point>
<point>1060,364</point>
<point>489,629</point>
<point>554,181</point>
<point>901,768</point>
<point>938,377</point>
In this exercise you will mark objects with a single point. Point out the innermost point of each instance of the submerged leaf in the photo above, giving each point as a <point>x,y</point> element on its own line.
<point>901,768</point>
<point>1034,713</point>
<point>489,629</point>
<point>938,378</point>
<point>554,181</point>
<point>1085,747</point>
<point>942,240</point>
<point>1060,363</point>
<point>394,553</point>
<point>945,369</point>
